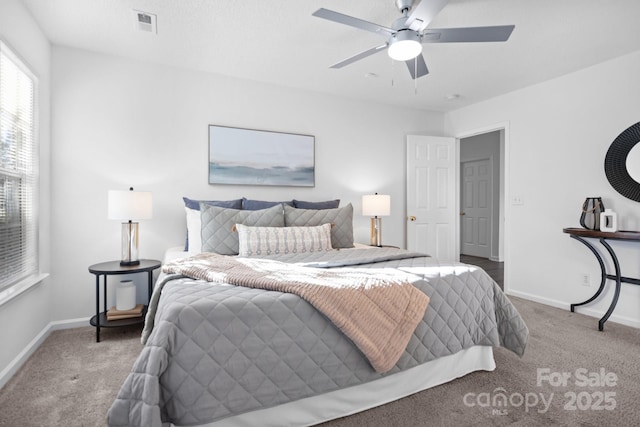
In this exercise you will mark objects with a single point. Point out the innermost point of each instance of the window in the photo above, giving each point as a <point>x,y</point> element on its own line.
<point>18,171</point>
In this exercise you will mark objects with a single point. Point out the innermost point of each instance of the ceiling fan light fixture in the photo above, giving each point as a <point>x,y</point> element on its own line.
<point>404,45</point>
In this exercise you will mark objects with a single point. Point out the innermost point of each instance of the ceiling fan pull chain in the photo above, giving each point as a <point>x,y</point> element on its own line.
<point>393,68</point>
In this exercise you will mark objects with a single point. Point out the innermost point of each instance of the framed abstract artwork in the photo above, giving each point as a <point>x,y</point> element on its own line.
<point>257,157</point>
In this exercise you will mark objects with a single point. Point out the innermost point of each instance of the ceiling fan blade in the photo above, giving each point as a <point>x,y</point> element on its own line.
<point>424,12</point>
<point>353,22</point>
<point>468,34</point>
<point>417,67</point>
<point>359,56</point>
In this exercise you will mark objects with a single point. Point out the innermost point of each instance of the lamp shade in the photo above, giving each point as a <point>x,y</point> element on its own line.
<point>376,205</point>
<point>129,205</point>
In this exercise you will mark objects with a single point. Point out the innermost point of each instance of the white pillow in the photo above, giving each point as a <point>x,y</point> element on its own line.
<point>193,231</point>
<point>260,241</point>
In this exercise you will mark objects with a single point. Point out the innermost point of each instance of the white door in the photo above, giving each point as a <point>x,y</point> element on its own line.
<point>431,196</point>
<point>475,208</point>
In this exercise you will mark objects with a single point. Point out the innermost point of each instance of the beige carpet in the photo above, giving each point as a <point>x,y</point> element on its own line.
<point>72,380</point>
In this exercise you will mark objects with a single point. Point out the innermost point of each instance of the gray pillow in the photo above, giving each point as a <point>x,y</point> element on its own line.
<point>329,204</point>
<point>254,205</point>
<point>217,226</point>
<point>195,205</point>
<point>341,218</point>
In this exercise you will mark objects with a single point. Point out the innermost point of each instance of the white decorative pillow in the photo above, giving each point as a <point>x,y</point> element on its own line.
<point>193,230</point>
<point>260,241</point>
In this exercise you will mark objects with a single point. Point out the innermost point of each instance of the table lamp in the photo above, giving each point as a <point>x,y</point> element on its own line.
<point>129,206</point>
<point>376,206</point>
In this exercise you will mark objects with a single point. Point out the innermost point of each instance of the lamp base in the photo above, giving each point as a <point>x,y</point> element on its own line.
<point>376,231</point>
<point>129,246</point>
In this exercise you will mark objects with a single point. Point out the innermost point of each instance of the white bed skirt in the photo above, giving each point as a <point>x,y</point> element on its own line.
<point>347,401</point>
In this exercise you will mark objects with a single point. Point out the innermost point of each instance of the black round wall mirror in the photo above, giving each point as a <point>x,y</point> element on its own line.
<point>615,163</point>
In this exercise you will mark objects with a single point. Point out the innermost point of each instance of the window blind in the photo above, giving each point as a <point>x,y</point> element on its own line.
<point>18,171</point>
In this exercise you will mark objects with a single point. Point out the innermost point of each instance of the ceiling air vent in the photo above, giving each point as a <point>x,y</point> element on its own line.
<point>145,21</point>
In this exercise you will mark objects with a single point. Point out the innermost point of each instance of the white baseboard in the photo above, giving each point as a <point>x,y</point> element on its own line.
<point>536,298</point>
<point>623,320</point>
<point>24,355</point>
<point>69,324</point>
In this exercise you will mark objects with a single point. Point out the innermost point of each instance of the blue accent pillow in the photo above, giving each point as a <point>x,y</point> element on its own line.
<point>328,204</point>
<point>195,204</point>
<point>256,205</point>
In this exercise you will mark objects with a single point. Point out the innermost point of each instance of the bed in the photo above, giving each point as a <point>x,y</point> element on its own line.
<point>219,354</point>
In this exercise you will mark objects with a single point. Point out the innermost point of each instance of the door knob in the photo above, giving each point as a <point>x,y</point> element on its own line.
<point>462,214</point>
<point>412,218</point>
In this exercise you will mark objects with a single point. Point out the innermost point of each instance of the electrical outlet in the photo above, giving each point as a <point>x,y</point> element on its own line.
<point>517,200</point>
<point>586,279</point>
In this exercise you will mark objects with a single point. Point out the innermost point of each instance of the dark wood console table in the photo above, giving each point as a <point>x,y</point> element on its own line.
<point>580,234</point>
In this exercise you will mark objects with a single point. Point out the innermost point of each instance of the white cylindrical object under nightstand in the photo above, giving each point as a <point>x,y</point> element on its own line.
<point>125,295</point>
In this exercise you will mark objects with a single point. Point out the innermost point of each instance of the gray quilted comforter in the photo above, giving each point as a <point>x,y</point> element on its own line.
<point>214,351</point>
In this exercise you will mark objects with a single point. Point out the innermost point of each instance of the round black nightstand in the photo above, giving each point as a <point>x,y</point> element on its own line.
<point>114,268</point>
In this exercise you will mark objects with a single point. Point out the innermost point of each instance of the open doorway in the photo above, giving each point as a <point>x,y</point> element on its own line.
<point>482,202</point>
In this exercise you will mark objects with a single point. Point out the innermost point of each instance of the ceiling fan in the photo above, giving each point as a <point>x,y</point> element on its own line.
<point>405,37</point>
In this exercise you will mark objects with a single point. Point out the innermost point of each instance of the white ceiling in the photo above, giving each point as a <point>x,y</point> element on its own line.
<point>279,42</point>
